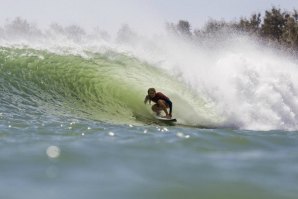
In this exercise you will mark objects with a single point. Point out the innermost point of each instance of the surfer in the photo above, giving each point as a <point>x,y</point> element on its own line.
<point>162,102</point>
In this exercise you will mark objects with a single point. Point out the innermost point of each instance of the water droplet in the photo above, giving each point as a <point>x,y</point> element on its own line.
<point>182,135</point>
<point>179,134</point>
<point>53,152</point>
<point>111,134</point>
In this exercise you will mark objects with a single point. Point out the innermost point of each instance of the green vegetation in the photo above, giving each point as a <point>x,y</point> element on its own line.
<point>280,27</point>
<point>274,26</point>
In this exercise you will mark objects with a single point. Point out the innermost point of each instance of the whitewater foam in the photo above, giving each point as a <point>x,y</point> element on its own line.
<point>251,86</point>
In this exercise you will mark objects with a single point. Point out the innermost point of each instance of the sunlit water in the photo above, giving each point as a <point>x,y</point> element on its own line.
<point>64,157</point>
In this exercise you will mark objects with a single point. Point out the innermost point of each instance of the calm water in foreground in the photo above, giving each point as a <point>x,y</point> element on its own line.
<point>61,157</point>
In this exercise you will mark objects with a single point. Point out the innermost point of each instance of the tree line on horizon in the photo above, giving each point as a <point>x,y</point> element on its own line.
<point>277,26</point>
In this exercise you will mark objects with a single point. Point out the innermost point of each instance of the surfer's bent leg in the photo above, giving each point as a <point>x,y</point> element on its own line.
<point>170,105</point>
<point>156,108</point>
<point>163,105</point>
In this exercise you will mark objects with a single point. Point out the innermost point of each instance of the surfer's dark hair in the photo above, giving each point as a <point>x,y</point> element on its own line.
<point>151,90</point>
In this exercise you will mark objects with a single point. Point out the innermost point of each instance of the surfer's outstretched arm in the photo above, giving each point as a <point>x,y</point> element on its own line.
<point>147,99</point>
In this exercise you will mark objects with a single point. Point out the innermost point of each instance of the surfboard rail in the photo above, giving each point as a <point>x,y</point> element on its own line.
<point>166,119</point>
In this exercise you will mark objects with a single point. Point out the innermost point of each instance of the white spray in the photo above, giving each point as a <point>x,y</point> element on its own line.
<point>251,86</point>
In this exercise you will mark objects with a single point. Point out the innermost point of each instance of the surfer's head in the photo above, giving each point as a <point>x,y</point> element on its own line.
<point>151,92</point>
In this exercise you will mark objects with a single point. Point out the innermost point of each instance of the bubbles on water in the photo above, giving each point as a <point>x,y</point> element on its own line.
<point>182,135</point>
<point>89,128</point>
<point>53,151</point>
<point>179,134</point>
<point>145,131</point>
<point>163,130</point>
<point>111,134</point>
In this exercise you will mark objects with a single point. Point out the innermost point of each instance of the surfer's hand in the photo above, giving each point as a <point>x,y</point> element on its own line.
<point>146,99</point>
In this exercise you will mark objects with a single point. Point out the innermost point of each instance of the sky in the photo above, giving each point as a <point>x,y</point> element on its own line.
<point>141,15</point>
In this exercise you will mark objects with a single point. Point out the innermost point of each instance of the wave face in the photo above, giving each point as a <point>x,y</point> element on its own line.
<point>108,87</point>
<point>230,80</point>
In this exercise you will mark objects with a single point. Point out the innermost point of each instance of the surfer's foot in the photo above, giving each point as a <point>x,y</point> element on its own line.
<point>168,116</point>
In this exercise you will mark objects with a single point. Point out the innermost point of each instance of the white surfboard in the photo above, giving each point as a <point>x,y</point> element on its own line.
<point>166,119</point>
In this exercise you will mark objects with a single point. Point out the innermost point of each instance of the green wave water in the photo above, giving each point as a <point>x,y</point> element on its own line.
<point>107,87</point>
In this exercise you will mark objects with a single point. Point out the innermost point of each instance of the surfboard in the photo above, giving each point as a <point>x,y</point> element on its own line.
<point>166,119</point>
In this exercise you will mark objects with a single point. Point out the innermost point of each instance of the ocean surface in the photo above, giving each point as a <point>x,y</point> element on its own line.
<point>73,123</point>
